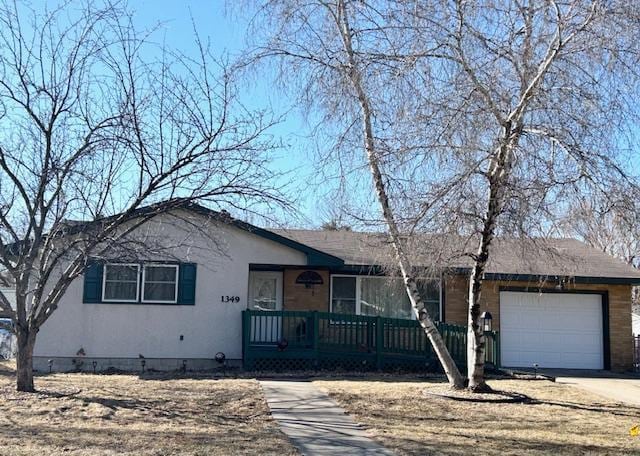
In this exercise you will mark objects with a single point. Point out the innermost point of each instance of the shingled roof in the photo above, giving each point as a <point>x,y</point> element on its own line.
<point>548,257</point>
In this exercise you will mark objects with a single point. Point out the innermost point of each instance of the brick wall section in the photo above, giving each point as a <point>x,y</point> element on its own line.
<point>456,290</point>
<point>298,297</point>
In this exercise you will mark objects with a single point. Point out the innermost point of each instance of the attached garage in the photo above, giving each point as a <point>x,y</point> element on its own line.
<point>553,330</point>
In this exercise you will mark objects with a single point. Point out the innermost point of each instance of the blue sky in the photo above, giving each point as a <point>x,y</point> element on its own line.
<point>227,35</point>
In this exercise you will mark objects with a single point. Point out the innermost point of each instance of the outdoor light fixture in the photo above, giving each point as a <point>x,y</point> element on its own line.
<point>143,362</point>
<point>486,318</point>
<point>220,357</point>
<point>283,344</point>
<point>50,363</point>
<point>535,370</point>
<point>184,365</point>
<point>94,364</point>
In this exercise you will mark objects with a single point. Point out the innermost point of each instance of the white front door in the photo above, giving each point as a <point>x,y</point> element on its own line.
<point>265,294</point>
<point>265,290</point>
<point>557,330</point>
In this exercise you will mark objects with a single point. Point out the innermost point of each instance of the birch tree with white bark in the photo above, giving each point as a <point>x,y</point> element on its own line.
<point>99,123</point>
<point>476,118</point>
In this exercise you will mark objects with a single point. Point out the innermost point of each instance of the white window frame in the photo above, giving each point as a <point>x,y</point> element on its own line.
<point>359,277</point>
<point>104,282</point>
<point>357,291</point>
<point>144,275</point>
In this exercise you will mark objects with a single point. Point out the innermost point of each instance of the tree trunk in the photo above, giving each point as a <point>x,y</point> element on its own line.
<point>475,332</point>
<point>24,361</point>
<point>448,364</point>
<point>497,175</point>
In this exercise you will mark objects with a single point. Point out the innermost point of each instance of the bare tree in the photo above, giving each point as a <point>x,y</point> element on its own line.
<point>101,124</point>
<point>609,222</point>
<point>316,38</point>
<point>476,117</point>
<point>552,93</point>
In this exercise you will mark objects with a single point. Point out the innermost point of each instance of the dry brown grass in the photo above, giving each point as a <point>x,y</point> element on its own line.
<point>81,414</point>
<point>559,420</point>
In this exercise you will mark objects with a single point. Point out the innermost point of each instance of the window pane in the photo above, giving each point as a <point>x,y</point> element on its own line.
<point>121,272</point>
<point>160,273</point>
<point>430,292</point>
<point>120,290</point>
<point>344,306</point>
<point>429,289</point>
<point>344,287</point>
<point>343,299</point>
<point>159,291</point>
<point>384,297</point>
<point>264,293</point>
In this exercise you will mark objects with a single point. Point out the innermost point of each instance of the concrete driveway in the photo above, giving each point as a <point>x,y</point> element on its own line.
<point>618,387</point>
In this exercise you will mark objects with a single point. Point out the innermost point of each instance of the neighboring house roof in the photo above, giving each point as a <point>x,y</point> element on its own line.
<point>510,258</point>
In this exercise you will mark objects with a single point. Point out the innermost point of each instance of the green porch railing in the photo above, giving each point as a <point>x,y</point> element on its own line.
<point>295,339</point>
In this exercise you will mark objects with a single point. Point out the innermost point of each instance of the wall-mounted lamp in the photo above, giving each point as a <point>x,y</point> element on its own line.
<point>487,321</point>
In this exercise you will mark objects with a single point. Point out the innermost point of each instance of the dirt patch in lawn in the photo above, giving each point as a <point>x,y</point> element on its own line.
<point>556,419</point>
<point>83,414</point>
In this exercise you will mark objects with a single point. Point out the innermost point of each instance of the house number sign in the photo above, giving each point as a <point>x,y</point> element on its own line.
<point>230,298</point>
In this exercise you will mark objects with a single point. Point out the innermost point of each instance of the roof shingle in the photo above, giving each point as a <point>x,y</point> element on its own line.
<point>541,256</point>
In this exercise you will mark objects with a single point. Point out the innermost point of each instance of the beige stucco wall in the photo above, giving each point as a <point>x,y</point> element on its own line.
<point>620,338</point>
<point>222,254</point>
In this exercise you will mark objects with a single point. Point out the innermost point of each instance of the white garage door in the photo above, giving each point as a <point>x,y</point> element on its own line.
<point>559,330</point>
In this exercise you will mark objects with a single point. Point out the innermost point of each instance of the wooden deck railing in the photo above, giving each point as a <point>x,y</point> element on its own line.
<point>293,339</point>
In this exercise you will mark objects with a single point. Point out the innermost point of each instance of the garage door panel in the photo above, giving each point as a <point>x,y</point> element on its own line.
<point>560,322</point>
<point>551,329</point>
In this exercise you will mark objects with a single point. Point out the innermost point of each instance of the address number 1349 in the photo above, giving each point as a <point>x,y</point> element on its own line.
<point>230,298</point>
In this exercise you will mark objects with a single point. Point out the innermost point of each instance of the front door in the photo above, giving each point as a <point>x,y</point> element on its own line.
<point>265,294</point>
<point>265,290</point>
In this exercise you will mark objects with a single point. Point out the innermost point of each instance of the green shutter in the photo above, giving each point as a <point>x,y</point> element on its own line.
<point>92,283</point>
<point>187,284</point>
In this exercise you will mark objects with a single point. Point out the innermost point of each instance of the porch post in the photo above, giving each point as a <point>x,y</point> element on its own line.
<point>379,341</point>
<point>246,339</point>
<point>316,335</point>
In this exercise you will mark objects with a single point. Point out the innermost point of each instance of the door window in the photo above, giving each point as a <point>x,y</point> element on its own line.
<point>264,291</point>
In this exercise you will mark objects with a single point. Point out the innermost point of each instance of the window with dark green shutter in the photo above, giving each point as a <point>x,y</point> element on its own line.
<point>92,283</point>
<point>133,283</point>
<point>187,284</point>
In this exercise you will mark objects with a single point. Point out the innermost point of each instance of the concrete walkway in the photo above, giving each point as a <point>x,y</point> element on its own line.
<point>314,423</point>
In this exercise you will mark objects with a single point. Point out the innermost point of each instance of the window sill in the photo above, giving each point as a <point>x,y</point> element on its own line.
<point>138,303</point>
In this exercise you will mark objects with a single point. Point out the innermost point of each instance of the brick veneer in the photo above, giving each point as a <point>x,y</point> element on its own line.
<point>299,297</point>
<point>620,339</point>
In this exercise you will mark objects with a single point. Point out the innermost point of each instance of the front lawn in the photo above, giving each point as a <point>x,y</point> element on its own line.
<point>559,420</point>
<point>82,414</point>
